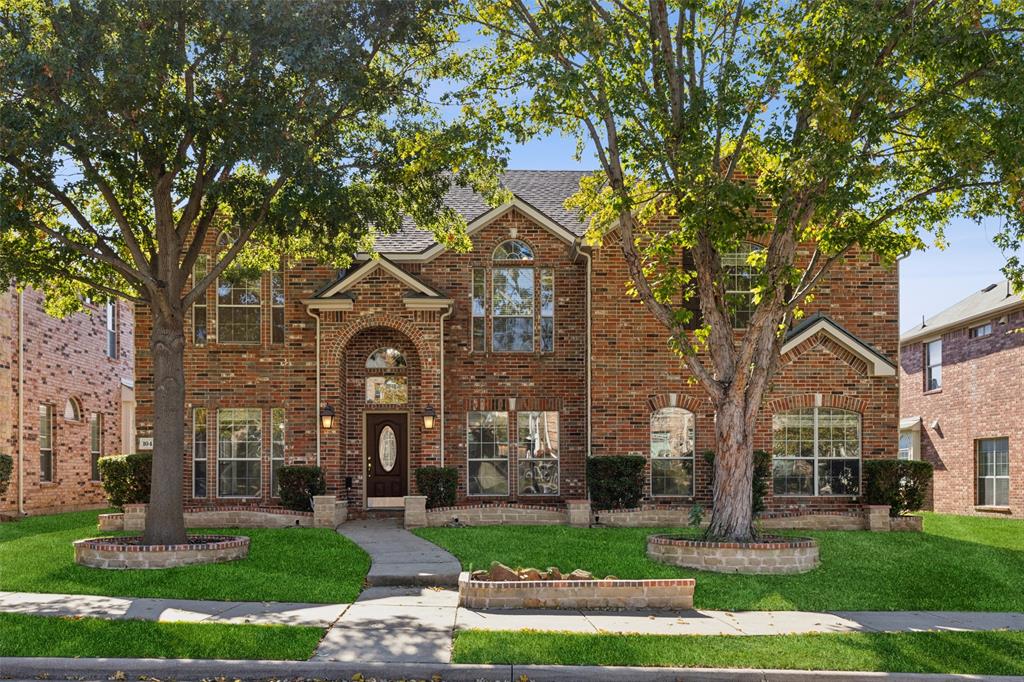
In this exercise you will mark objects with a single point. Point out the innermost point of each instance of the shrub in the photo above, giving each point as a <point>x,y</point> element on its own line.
<point>762,474</point>
<point>615,482</point>
<point>299,483</point>
<point>899,483</point>
<point>126,478</point>
<point>6,467</point>
<point>438,484</point>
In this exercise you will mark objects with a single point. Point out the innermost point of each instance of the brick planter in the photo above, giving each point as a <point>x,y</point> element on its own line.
<point>770,555</point>
<point>128,553</point>
<point>576,594</point>
<point>911,524</point>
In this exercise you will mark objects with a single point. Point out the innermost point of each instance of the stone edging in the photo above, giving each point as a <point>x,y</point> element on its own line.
<point>277,511</point>
<point>651,593</point>
<point>499,505</point>
<point>769,556</point>
<point>122,552</point>
<point>214,542</point>
<point>773,542</point>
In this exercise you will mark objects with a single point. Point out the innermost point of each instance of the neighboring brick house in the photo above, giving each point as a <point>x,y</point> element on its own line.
<point>961,383</point>
<point>73,385</point>
<point>512,362</point>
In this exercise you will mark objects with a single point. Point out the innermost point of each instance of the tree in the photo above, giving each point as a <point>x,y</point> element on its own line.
<point>851,125</point>
<point>132,129</point>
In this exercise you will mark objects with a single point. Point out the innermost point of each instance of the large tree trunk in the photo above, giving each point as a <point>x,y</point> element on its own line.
<point>165,522</point>
<point>732,508</point>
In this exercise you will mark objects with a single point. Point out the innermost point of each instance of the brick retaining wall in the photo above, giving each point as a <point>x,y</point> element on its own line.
<point>116,553</point>
<point>134,518</point>
<point>498,514</point>
<point>784,555</point>
<point>576,594</point>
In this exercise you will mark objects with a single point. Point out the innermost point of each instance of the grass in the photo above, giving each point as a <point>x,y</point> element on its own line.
<point>957,563</point>
<point>93,638</point>
<point>989,653</point>
<point>313,565</point>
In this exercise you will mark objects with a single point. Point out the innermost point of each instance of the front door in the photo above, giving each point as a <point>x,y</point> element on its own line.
<point>386,459</point>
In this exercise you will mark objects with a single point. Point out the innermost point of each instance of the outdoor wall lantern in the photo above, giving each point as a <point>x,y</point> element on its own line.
<point>428,417</point>
<point>327,416</point>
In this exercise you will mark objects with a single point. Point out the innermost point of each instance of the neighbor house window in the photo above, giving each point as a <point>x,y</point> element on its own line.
<point>387,383</point>
<point>277,307</point>
<point>238,310</point>
<point>993,471</point>
<point>276,448</point>
<point>199,318</point>
<point>72,410</point>
<point>672,448</point>
<point>479,309</point>
<point>95,445</point>
<point>739,283</point>
<point>112,315</point>
<point>537,442</point>
<point>46,443</point>
<point>487,443</point>
<point>906,450</point>
<point>239,452</point>
<point>816,451</point>
<point>980,331</point>
<point>200,452</point>
<point>933,365</point>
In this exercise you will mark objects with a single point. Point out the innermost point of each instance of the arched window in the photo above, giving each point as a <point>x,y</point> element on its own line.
<point>387,383</point>
<point>672,448</point>
<point>73,410</point>
<point>739,282</point>
<point>513,249</point>
<point>816,451</point>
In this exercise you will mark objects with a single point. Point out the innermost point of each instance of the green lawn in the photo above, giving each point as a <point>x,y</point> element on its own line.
<point>289,564</point>
<point>93,638</point>
<point>957,563</point>
<point>990,653</point>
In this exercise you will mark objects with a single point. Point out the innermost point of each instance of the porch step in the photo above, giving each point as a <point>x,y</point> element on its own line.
<point>391,514</point>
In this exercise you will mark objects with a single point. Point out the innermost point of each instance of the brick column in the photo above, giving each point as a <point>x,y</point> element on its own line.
<point>340,512</point>
<point>878,517</point>
<point>324,511</point>
<point>415,511</point>
<point>579,513</point>
<point>135,516</point>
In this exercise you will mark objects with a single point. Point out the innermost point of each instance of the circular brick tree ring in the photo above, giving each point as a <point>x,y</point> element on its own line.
<point>765,556</point>
<point>129,552</point>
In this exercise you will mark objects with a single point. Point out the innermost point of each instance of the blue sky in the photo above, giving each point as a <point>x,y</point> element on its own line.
<point>930,280</point>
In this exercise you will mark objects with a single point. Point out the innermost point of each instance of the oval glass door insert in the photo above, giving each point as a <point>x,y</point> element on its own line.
<point>387,448</point>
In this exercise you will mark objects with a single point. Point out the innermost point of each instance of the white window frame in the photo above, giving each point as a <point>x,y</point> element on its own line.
<point>257,442</point>
<point>200,423</point>
<point>496,443</point>
<point>994,477</point>
<point>278,426</point>
<point>253,284</point>
<point>690,457</point>
<point>523,455</point>
<point>730,271</point>
<point>46,413</point>
<point>533,308</point>
<point>95,445</point>
<point>546,274</point>
<point>930,365</point>
<point>816,457</point>
<point>911,449</point>
<point>113,315</point>
<point>980,331</point>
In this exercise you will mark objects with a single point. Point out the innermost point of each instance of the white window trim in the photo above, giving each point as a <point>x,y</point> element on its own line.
<point>113,322</point>
<point>929,365</point>
<point>50,415</point>
<point>816,458</point>
<point>218,305</point>
<point>978,477</point>
<point>975,331</point>
<point>95,444</point>
<point>752,246</point>
<point>508,459</point>
<point>692,458</point>
<point>216,473</point>
<point>557,459</point>
<point>540,306</point>
<point>283,442</point>
<point>534,322</point>
<point>206,455</point>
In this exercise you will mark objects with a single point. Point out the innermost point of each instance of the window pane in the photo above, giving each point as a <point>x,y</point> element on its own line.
<point>277,431</point>
<point>839,477</point>
<point>793,476</point>
<point>239,452</point>
<point>199,452</point>
<point>238,311</point>
<point>199,324</point>
<point>45,443</point>
<point>672,477</point>
<point>537,438</point>
<point>386,358</point>
<point>672,448</point>
<point>479,295</point>
<point>513,334</point>
<point>391,390</point>
<point>513,292</point>
<point>739,282</point>
<point>547,310</point>
<point>96,444</point>
<point>488,477</point>
<point>479,335</point>
<point>488,453</point>
<point>277,325</point>
<point>513,249</point>
<point>538,477</point>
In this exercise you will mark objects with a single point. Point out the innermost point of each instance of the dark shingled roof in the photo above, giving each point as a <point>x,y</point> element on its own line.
<point>545,190</point>
<point>992,300</point>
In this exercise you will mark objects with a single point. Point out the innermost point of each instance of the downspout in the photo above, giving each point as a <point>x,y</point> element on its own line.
<point>586,255</point>
<point>444,316</point>
<point>21,402</point>
<point>316,412</point>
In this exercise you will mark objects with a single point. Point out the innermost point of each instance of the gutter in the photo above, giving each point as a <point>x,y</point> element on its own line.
<point>580,251</point>
<point>21,402</point>
<point>444,316</point>
<point>316,412</point>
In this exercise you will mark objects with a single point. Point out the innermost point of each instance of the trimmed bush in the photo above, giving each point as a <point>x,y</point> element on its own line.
<point>299,484</point>
<point>615,482</point>
<point>899,483</point>
<point>438,484</point>
<point>126,478</point>
<point>6,467</point>
<point>762,474</point>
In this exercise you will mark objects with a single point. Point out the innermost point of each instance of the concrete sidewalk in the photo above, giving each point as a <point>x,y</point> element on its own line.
<point>399,557</point>
<point>166,610</point>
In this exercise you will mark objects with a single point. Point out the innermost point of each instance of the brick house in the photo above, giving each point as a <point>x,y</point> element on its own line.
<point>512,362</point>
<point>72,383</point>
<point>961,373</point>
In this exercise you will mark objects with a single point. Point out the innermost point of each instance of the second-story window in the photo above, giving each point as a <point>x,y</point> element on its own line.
<point>517,321</point>
<point>739,283</point>
<point>112,329</point>
<point>933,365</point>
<point>238,310</point>
<point>277,307</point>
<point>199,323</point>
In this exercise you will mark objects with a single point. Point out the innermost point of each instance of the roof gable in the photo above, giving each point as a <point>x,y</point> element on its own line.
<point>877,364</point>
<point>338,296</point>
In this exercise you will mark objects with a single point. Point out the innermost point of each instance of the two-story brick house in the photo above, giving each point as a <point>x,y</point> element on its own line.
<point>513,362</point>
<point>66,399</point>
<point>961,380</point>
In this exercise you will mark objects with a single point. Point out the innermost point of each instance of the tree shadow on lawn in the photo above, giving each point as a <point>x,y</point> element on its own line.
<point>860,571</point>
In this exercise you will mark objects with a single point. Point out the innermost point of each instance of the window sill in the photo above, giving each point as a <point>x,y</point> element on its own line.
<point>993,509</point>
<point>934,391</point>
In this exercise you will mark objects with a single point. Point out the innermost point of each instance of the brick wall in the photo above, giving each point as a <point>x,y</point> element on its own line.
<point>63,359</point>
<point>982,381</point>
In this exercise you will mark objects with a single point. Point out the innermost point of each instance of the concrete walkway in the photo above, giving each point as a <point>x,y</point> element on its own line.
<point>399,557</point>
<point>187,610</point>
